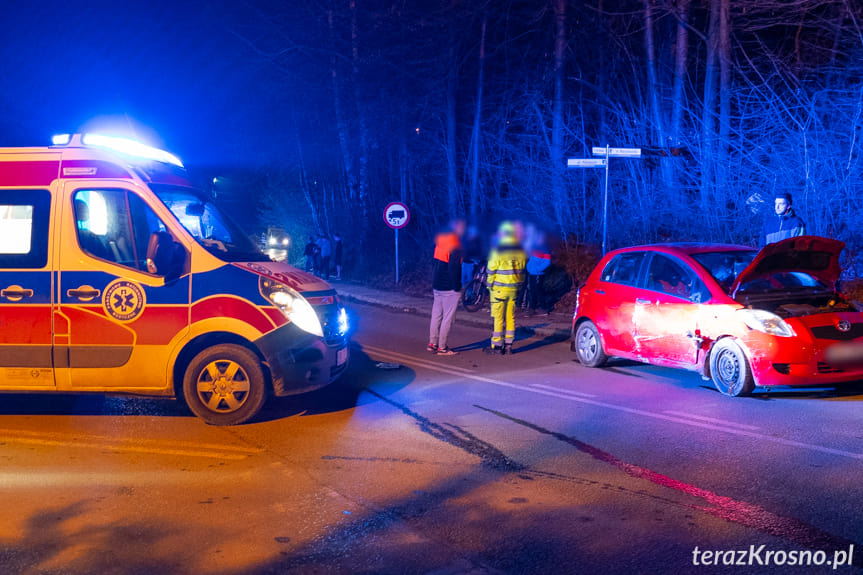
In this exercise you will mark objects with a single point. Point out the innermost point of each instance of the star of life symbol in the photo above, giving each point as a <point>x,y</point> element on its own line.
<point>123,300</point>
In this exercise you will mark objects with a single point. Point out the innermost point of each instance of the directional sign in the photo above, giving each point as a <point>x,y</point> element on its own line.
<point>396,215</point>
<point>618,152</point>
<point>585,163</point>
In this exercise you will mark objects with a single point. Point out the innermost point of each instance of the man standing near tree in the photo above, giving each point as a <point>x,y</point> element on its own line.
<point>783,223</point>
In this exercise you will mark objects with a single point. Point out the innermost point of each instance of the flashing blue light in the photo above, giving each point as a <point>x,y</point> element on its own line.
<point>343,321</point>
<point>61,139</point>
<point>131,148</point>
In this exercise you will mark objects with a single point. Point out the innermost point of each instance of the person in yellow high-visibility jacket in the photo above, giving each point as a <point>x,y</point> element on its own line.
<point>506,273</point>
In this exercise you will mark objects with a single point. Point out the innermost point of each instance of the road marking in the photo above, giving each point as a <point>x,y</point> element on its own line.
<point>712,420</point>
<point>153,446</point>
<point>407,358</point>
<point>665,417</point>
<point>564,391</point>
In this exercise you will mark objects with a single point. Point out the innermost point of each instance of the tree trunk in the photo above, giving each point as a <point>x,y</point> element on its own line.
<point>708,130</point>
<point>557,161</point>
<point>451,102</point>
<point>475,138</point>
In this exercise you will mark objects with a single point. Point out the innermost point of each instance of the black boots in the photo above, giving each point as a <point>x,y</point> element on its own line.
<point>493,350</point>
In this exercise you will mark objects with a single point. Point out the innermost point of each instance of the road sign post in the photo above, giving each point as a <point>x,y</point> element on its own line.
<point>397,216</point>
<point>607,152</point>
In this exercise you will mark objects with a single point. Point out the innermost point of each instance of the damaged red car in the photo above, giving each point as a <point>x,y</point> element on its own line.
<point>740,317</point>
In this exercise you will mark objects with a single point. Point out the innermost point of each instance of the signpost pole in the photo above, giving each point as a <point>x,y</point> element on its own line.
<point>397,255</point>
<point>605,202</point>
<point>396,216</point>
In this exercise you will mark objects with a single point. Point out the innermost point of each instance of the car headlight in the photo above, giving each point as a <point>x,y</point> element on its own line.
<point>766,322</point>
<point>293,305</point>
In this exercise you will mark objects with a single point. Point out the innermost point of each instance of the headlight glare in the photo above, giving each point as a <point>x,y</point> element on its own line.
<point>764,321</point>
<point>293,305</point>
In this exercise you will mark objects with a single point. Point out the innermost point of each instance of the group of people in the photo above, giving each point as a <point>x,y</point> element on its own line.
<point>509,267</point>
<point>321,254</point>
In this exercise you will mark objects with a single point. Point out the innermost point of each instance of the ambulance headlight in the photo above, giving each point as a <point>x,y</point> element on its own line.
<point>343,321</point>
<point>293,305</point>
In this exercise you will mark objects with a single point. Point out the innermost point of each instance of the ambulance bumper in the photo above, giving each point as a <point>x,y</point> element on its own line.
<point>300,362</point>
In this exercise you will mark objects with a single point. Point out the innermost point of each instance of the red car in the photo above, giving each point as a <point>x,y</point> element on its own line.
<point>740,317</point>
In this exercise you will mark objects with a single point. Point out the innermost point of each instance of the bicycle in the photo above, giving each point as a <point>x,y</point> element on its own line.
<point>476,293</point>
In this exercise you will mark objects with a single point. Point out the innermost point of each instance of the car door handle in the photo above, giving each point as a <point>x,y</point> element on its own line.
<point>639,300</point>
<point>15,293</point>
<point>599,291</point>
<point>84,293</point>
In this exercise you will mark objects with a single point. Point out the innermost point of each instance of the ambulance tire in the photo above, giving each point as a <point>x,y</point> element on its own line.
<point>225,385</point>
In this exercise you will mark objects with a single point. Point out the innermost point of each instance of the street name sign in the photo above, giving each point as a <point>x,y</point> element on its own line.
<point>617,152</point>
<point>585,163</point>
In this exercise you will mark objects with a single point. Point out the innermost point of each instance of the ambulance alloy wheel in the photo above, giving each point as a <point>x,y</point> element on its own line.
<point>224,385</point>
<point>588,346</point>
<point>730,369</point>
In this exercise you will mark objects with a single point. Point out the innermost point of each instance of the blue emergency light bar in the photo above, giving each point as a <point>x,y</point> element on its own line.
<point>124,146</point>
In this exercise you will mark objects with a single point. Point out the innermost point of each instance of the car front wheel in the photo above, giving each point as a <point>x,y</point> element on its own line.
<point>730,369</point>
<point>225,385</point>
<point>588,346</point>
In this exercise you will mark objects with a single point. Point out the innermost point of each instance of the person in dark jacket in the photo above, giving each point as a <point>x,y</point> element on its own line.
<point>338,250</point>
<point>446,284</point>
<point>310,252</point>
<point>783,223</point>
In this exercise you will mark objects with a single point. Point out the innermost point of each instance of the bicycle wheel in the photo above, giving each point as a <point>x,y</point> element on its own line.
<point>474,295</point>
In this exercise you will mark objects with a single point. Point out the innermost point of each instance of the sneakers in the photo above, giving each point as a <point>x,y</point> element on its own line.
<point>446,351</point>
<point>432,347</point>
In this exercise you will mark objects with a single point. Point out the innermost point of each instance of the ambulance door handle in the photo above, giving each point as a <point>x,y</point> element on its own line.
<point>84,293</point>
<point>16,293</point>
<point>642,300</point>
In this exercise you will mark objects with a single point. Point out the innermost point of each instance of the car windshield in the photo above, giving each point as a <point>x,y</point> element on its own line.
<point>210,226</point>
<point>724,266</point>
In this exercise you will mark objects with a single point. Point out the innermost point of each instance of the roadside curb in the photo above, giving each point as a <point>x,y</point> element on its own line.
<point>550,329</point>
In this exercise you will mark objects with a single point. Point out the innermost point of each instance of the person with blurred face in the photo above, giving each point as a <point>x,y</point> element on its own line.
<point>446,286</point>
<point>783,223</point>
<point>506,274</point>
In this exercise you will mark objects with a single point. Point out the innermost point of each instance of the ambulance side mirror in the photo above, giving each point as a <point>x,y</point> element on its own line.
<point>165,257</point>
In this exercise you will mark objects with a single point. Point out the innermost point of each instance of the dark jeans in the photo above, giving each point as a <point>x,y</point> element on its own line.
<point>535,295</point>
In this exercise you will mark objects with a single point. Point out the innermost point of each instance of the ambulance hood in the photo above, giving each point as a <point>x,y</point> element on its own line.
<point>294,278</point>
<point>816,256</point>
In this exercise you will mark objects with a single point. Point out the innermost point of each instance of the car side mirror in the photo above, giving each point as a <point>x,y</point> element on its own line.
<point>165,257</point>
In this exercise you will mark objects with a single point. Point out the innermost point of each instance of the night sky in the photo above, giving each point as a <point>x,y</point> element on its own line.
<point>171,73</point>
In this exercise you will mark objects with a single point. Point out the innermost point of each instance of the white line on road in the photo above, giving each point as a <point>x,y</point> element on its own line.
<point>564,391</point>
<point>691,422</point>
<point>424,362</point>
<point>156,447</point>
<point>712,420</point>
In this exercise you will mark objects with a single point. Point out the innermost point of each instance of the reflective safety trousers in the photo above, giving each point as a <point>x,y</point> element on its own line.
<point>503,313</point>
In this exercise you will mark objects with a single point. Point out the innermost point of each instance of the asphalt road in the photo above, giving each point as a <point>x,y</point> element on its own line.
<point>413,463</point>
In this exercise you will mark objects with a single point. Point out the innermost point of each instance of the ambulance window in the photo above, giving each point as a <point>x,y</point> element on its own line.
<point>24,228</point>
<point>115,225</point>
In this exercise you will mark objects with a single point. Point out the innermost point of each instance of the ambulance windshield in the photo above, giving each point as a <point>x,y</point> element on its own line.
<point>210,226</point>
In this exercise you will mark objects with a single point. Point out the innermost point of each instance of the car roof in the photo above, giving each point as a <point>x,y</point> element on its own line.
<point>688,248</point>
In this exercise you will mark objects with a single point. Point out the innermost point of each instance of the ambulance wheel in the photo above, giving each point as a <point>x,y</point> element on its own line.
<point>588,346</point>
<point>225,385</point>
<point>730,369</point>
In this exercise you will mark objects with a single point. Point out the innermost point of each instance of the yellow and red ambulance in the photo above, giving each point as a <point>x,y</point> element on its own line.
<point>118,276</point>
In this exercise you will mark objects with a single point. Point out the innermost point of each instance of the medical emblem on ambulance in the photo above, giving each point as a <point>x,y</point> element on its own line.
<point>123,300</point>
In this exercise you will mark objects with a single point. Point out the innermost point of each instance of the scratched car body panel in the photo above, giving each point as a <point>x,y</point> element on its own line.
<point>742,317</point>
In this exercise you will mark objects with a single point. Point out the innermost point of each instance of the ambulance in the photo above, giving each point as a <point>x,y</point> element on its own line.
<point>118,276</point>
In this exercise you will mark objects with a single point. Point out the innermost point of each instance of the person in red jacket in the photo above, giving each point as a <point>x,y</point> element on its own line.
<point>446,284</point>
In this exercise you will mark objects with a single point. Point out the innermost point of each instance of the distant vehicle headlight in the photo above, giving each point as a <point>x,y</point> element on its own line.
<point>293,305</point>
<point>766,322</point>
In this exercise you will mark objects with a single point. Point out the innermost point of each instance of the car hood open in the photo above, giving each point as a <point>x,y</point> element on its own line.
<point>814,255</point>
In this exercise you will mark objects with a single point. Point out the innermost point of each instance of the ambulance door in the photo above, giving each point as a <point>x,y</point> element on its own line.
<point>25,290</point>
<point>123,321</point>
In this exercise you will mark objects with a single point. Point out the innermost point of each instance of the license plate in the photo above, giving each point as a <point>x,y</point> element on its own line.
<point>342,356</point>
<point>845,353</point>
